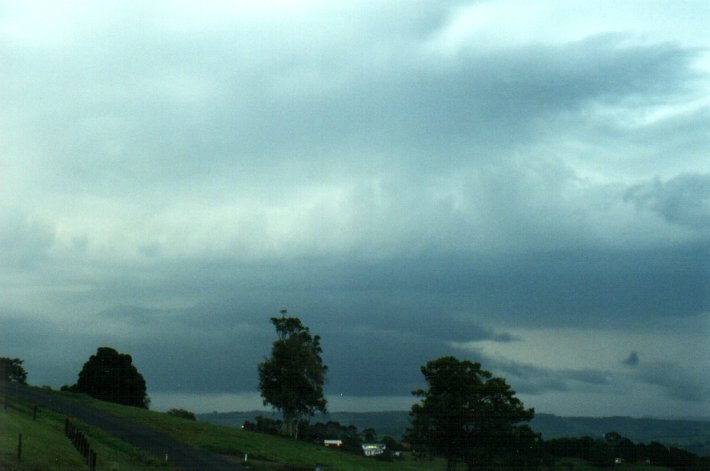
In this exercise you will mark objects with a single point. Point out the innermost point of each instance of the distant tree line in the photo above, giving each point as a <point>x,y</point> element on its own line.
<point>615,449</point>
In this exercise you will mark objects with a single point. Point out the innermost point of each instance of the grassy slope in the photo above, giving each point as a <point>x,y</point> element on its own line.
<point>262,448</point>
<point>44,446</point>
<point>267,449</point>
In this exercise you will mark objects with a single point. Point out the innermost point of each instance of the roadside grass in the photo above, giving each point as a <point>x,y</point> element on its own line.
<point>46,448</point>
<point>43,446</point>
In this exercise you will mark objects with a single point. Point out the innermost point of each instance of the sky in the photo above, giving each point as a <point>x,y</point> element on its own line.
<point>523,184</point>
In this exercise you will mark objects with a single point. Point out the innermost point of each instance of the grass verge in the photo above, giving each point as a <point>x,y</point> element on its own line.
<point>46,448</point>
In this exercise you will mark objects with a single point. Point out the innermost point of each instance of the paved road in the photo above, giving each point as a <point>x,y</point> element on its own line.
<point>179,454</point>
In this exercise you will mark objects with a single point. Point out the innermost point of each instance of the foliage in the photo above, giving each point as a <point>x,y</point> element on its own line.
<point>468,416</point>
<point>292,379</point>
<point>182,413</point>
<point>11,370</point>
<point>263,424</point>
<point>691,435</point>
<point>617,449</point>
<point>111,376</point>
<point>333,430</point>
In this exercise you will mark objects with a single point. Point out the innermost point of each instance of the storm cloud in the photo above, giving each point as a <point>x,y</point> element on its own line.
<point>522,184</point>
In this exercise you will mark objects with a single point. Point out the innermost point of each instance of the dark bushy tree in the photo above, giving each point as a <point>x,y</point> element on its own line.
<point>263,425</point>
<point>182,413</point>
<point>111,376</point>
<point>11,370</point>
<point>468,416</point>
<point>292,379</point>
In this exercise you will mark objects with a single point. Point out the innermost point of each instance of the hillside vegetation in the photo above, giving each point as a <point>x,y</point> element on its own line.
<point>263,451</point>
<point>46,448</point>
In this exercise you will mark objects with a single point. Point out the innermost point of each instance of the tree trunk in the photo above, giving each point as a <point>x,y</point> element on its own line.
<point>289,426</point>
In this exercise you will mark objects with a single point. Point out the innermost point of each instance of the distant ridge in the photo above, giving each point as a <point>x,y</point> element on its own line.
<point>692,434</point>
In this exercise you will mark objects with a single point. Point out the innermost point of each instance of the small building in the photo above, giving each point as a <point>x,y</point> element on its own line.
<point>333,443</point>
<point>373,449</point>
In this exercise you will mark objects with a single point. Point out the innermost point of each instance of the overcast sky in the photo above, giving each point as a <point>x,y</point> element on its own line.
<point>521,183</point>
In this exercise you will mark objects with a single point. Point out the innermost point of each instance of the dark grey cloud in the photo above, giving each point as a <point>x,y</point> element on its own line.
<point>380,321</point>
<point>217,346</point>
<point>531,379</point>
<point>682,200</point>
<point>632,359</point>
<point>481,104</point>
<point>675,381</point>
<point>560,288</point>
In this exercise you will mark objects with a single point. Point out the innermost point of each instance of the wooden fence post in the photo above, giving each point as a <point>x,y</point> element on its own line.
<point>19,448</point>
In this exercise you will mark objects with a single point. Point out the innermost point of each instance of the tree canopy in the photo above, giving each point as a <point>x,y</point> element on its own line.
<point>111,376</point>
<point>468,416</point>
<point>11,370</point>
<point>182,413</point>
<point>292,379</point>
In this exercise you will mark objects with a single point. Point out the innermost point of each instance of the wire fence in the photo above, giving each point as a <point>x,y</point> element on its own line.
<point>76,436</point>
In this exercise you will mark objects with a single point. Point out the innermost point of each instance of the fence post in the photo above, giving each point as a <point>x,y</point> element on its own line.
<point>19,448</point>
<point>34,413</point>
<point>84,447</point>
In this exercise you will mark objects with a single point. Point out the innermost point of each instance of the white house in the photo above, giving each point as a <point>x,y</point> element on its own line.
<point>373,449</point>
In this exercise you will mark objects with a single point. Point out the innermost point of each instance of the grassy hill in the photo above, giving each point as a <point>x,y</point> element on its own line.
<point>263,451</point>
<point>46,448</point>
